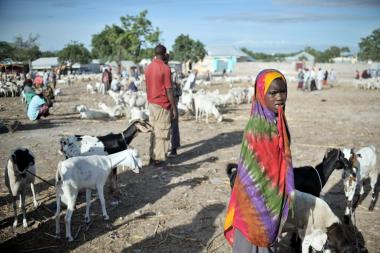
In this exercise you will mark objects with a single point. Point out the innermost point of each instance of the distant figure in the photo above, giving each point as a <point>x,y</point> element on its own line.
<point>300,78</point>
<point>332,77</point>
<point>357,75</point>
<point>38,82</point>
<point>38,106</point>
<point>115,84</point>
<point>306,79</point>
<point>132,85</point>
<point>28,84</point>
<point>46,79</point>
<point>365,74</point>
<point>190,82</point>
<point>106,78</point>
<point>313,77</point>
<point>320,77</point>
<point>53,78</point>
<point>325,77</point>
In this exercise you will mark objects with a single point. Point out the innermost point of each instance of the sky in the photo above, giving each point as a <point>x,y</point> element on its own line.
<point>268,26</point>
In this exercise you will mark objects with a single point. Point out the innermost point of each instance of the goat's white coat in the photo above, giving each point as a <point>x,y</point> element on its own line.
<point>311,218</point>
<point>88,172</point>
<point>364,169</point>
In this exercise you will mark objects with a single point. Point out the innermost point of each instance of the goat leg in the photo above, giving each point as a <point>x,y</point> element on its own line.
<point>102,202</point>
<point>113,181</point>
<point>34,195</point>
<point>69,213</point>
<point>87,218</point>
<point>57,213</point>
<point>14,200</point>
<point>24,222</point>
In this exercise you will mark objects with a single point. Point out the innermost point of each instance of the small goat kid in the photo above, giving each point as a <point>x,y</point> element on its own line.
<point>363,167</point>
<point>88,172</point>
<point>17,177</point>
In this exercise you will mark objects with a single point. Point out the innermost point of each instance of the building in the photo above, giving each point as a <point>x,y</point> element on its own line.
<point>221,59</point>
<point>346,58</point>
<point>45,63</point>
<point>301,57</point>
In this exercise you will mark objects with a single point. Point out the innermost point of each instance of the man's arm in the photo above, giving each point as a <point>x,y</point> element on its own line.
<point>169,93</point>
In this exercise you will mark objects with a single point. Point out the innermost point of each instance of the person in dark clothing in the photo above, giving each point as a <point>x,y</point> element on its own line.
<point>174,128</point>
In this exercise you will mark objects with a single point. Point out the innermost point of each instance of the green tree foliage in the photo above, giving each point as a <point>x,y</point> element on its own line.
<point>21,49</point>
<point>186,49</point>
<point>74,53</point>
<point>328,54</point>
<point>266,57</point>
<point>369,47</point>
<point>133,40</point>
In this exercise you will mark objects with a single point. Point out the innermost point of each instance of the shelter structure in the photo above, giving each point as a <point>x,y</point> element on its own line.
<point>10,66</point>
<point>45,63</point>
<point>222,59</point>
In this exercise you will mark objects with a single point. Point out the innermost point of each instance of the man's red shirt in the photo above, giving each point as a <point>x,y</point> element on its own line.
<point>157,78</point>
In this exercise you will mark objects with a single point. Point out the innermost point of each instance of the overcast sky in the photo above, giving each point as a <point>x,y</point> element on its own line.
<point>261,25</point>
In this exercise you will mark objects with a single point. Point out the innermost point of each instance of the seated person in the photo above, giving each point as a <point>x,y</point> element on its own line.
<point>115,85</point>
<point>132,86</point>
<point>38,106</point>
<point>27,86</point>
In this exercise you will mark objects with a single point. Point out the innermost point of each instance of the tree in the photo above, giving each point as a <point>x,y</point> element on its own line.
<point>186,49</point>
<point>369,47</point>
<point>7,50</point>
<point>26,49</point>
<point>132,40</point>
<point>74,53</point>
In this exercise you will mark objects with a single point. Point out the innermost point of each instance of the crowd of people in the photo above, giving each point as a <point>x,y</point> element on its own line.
<point>312,79</point>
<point>367,73</point>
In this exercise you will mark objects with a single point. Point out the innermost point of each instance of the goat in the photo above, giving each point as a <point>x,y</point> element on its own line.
<point>204,106</point>
<point>78,173</point>
<point>317,225</point>
<point>85,145</point>
<point>87,113</point>
<point>17,176</point>
<point>307,178</point>
<point>363,164</point>
<point>116,111</point>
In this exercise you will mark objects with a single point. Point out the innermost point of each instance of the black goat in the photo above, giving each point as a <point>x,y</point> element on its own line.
<point>85,145</point>
<point>307,178</point>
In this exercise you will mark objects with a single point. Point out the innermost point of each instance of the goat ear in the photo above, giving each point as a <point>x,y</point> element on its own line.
<point>352,151</point>
<point>14,158</point>
<point>359,155</point>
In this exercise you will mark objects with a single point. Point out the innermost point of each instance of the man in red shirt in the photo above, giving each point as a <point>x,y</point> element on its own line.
<point>161,105</point>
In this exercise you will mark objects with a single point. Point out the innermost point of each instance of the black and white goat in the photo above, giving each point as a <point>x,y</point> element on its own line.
<point>85,145</point>
<point>318,226</point>
<point>307,178</point>
<point>17,178</point>
<point>88,172</point>
<point>363,164</point>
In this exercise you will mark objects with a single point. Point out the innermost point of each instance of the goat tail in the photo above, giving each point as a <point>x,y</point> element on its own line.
<point>231,171</point>
<point>58,176</point>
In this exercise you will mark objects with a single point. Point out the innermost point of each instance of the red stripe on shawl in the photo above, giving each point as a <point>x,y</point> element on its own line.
<point>269,160</point>
<point>246,217</point>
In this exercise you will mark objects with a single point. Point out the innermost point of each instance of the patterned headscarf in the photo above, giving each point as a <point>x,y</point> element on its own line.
<point>260,197</point>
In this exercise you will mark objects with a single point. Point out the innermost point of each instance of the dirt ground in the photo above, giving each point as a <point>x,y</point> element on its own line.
<point>180,208</point>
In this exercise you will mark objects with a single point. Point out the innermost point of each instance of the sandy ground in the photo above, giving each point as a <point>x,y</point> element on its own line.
<point>180,208</point>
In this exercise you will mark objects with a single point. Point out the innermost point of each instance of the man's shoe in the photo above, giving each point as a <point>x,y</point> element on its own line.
<point>172,154</point>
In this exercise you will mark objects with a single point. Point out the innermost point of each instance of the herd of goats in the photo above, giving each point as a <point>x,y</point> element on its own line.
<point>89,160</point>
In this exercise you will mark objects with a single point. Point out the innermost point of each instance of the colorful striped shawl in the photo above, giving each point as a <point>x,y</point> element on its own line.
<point>260,200</point>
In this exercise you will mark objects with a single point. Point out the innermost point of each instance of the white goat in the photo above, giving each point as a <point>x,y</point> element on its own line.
<point>203,106</point>
<point>90,89</point>
<point>137,113</point>
<point>17,177</point>
<point>88,172</point>
<point>115,111</point>
<point>364,167</point>
<point>86,113</point>
<point>313,219</point>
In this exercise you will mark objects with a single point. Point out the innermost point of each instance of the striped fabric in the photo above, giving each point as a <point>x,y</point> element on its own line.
<point>260,201</point>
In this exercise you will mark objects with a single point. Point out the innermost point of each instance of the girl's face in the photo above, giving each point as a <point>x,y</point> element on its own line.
<point>276,95</point>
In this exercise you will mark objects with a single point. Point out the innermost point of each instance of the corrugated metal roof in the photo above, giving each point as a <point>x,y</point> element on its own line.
<point>45,63</point>
<point>225,51</point>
